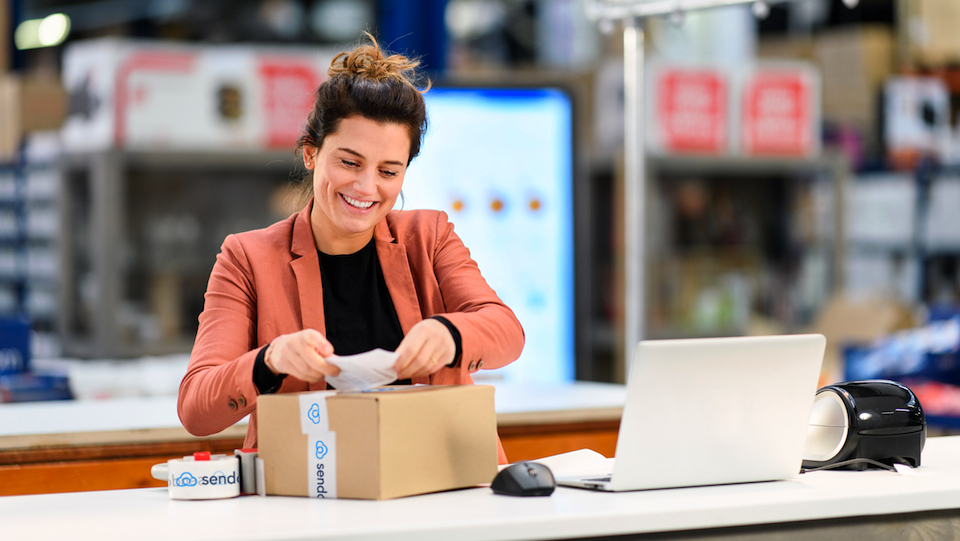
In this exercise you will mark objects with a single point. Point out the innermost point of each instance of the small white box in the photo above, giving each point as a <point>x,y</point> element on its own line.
<point>942,224</point>
<point>881,209</point>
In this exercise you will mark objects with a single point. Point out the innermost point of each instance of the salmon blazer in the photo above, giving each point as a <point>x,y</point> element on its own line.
<point>266,283</point>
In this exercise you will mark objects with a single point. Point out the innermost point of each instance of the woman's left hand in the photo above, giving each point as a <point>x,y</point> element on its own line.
<point>427,348</point>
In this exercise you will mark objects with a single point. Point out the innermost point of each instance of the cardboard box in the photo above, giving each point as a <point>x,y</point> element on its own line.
<point>929,28</point>
<point>28,104</point>
<point>855,63</point>
<point>377,445</point>
<point>846,321</point>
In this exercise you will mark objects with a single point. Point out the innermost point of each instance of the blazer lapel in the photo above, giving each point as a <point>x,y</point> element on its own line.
<point>306,267</point>
<point>396,273</point>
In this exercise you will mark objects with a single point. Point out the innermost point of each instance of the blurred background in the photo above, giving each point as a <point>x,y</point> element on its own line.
<point>803,174</point>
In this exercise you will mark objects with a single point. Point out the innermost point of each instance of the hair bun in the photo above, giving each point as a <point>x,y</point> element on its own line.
<point>369,62</point>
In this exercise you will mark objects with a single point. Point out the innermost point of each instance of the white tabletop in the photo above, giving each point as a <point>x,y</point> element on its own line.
<point>478,514</point>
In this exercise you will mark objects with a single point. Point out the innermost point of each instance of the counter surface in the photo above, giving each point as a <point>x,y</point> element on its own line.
<point>477,514</point>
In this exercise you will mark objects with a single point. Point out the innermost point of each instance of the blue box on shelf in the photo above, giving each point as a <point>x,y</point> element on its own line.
<point>927,360</point>
<point>14,345</point>
<point>34,388</point>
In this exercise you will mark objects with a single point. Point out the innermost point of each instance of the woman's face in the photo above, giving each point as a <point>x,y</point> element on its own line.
<point>357,175</point>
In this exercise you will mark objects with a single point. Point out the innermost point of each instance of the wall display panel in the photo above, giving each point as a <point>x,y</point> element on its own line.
<point>499,162</point>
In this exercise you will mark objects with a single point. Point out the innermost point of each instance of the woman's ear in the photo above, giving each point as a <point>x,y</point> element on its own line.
<point>309,156</point>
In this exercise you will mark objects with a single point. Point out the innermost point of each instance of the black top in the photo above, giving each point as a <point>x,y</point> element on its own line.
<point>357,309</point>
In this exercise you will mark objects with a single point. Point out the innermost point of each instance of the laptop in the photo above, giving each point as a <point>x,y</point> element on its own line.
<point>713,411</point>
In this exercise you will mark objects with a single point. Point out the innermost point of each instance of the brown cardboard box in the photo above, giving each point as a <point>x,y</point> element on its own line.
<point>930,29</point>
<point>844,321</point>
<point>855,63</point>
<point>386,443</point>
<point>28,104</point>
<point>10,130</point>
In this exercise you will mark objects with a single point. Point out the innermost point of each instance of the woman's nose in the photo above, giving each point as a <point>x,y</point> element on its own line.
<point>366,183</point>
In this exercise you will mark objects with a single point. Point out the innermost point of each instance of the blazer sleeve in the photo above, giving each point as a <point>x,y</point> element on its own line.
<point>218,388</point>
<point>490,333</point>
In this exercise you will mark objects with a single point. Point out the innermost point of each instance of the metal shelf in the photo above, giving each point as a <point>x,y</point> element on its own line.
<point>124,295</point>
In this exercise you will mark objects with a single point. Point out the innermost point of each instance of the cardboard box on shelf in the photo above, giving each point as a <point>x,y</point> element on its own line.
<point>28,104</point>
<point>9,117</point>
<point>848,321</point>
<point>385,443</point>
<point>929,27</point>
<point>855,63</point>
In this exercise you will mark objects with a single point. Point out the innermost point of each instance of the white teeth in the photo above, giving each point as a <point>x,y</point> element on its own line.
<point>358,204</point>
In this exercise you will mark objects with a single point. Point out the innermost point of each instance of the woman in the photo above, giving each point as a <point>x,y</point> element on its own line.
<point>346,274</point>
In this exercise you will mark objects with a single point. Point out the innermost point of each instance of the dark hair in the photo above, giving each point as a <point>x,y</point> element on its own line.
<point>371,83</point>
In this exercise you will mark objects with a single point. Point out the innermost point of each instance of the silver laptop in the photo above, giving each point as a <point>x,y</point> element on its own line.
<point>713,411</point>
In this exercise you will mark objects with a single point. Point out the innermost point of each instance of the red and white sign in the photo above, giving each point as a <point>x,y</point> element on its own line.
<point>778,114</point>
<point>692,110</point>
<point>147,95</point>
<point>289,90</point>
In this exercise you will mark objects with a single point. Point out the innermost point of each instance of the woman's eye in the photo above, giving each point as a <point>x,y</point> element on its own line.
<point>388,173</point>
<point>349,163</point>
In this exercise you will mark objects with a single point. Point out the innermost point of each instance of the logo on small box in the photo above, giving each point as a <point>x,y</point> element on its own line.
<point>314,414</point>
<point>321,450</point>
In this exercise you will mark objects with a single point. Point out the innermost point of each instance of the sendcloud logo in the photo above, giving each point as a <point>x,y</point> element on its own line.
<point>314,414</point>
<point>321,450</point>
<point>186,480</point>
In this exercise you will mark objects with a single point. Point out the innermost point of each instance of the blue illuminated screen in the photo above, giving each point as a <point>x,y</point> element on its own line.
<point>500,163</point>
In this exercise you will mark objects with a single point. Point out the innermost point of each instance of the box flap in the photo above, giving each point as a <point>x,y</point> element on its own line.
<point>281,445</point>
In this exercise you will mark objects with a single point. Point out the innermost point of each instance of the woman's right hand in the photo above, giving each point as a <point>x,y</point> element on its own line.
<point>301,355</point>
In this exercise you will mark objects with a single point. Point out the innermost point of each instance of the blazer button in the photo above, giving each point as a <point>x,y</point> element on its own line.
<point>479,366</point>
<point>232,404</point>
<point>473,366</point>
<point>243,401</point>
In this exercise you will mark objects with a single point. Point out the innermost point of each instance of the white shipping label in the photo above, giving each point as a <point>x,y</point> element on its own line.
<point>322,464</point>
<point>313,412</point>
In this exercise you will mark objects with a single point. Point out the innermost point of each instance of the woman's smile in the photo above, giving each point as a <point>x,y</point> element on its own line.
<point>356,203</point>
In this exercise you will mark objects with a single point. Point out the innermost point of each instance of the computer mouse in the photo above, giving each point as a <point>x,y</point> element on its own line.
<point>524,479</point>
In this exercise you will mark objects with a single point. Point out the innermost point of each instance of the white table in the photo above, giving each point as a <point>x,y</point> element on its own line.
<point>477,514</point>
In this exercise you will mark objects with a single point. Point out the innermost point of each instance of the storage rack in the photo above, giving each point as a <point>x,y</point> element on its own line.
<point>632,13</point>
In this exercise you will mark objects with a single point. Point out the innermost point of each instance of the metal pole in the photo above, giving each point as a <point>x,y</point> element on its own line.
<point>634,204</point>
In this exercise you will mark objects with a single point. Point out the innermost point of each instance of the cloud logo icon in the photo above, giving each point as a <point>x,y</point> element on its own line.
<point>185,480</point>
<point>314,414</point>
<point>321,450</point>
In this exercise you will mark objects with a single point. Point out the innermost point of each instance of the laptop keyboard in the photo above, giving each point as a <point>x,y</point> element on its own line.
<point>600,479</point>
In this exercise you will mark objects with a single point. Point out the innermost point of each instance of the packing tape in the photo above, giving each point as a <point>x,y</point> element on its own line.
<point>200,477</point>
<point>321,444</point>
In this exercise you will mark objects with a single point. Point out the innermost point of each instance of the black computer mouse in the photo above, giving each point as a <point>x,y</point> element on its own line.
<point>524,479</point>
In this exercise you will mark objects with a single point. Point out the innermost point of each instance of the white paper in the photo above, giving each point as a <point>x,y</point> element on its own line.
<point>364,370</point>
<point>579,463</point>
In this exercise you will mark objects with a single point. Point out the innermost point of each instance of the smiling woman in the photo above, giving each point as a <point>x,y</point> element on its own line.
<point>346,274</point>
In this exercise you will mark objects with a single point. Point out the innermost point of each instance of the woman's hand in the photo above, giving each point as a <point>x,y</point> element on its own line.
<point>427,348</point>
<point>300,355</point>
